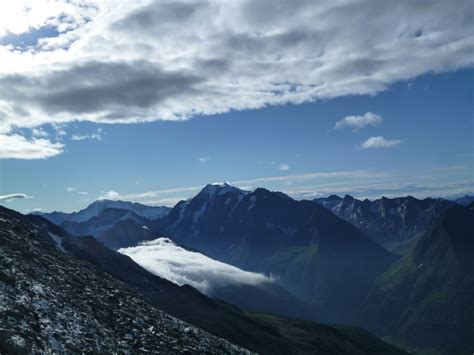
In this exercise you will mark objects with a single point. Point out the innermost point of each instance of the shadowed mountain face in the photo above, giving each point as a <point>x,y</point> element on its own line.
<point>99,224</point>
<point>117,224</point>
<point>80,284</point>
<point>425,299</point>
<point>389,222</point>
<point>314,254</point>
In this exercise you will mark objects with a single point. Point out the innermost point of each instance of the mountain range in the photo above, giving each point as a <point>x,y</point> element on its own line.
<point>97,207</point>
<point>313,253</point>
<point>328,260</point>
<point>72,294</point>
<point>117,224</point>
<point>389,222</point>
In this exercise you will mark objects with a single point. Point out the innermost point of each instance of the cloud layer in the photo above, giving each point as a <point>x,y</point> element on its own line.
<point>18,147</point>
<point>167,260</point>
<point>11,197</point>
<point>127,62</point>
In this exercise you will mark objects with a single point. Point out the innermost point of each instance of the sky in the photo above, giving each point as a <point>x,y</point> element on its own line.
<point>149,101</point>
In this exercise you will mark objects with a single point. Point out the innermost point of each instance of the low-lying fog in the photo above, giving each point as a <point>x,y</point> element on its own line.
<point>165,259</point>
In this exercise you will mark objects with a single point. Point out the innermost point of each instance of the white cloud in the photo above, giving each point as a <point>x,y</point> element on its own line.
<point>71,189</point>
<point>174,263</point>
<point>110,195</point>
<point>245,187</point>
<point>39,132</point>
<point>127,62</point>
<point>84,193</point>
<point>29,210</point>
<point>80,137</point>
<point>204,159</point>
<point>18,147</point>
<point>284,167</point>
<point>380,142</point>
<point>169,202</point>
<point>169,197</point>
<point>154,198</point>
<point>351,174</point>
<point>11,197</point>
<point>358,122</point>
<point>21,16</point>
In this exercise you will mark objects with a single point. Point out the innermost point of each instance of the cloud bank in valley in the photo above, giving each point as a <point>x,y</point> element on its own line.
<point>164,258</point>
<point>126,62</point>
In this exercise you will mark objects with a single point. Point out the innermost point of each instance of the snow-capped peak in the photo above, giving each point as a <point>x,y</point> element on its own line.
<point>221,189</point>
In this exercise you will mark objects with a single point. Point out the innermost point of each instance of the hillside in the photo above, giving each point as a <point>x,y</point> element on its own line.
<point>46,249</point>
<point>54,303</point>
<point>425,299</point>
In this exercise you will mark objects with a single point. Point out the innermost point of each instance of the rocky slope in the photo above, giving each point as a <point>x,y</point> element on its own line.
<point>52,302</point>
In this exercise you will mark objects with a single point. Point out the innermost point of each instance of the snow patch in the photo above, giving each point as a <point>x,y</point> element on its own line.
<point>199,212</point>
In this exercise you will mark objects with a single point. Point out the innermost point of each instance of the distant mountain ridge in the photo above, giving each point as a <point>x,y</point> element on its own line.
<point>97,225</point>
<point>388,221</point>
<point>115,223</point>
<point>97,207</point>
<point>465,200</point>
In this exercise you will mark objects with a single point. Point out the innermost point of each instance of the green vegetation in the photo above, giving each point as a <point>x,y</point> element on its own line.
<point>401,270</point>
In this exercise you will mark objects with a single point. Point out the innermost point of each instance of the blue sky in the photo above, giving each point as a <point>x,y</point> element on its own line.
<point>153,120</point>
<point>432,117</point>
